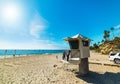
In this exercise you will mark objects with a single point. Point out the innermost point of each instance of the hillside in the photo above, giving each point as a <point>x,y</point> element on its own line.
<point>107,47</point>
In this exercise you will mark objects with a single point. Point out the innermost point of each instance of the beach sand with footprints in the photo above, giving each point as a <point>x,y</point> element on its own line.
<point>48,69</point>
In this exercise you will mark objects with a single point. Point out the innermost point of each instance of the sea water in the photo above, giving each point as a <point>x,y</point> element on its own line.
<point>9,53</point>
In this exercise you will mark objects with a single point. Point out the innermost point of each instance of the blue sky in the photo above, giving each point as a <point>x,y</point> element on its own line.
<point>42,24</point>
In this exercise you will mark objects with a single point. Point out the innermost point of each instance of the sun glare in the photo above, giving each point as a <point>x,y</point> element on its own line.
<point>10,13</point>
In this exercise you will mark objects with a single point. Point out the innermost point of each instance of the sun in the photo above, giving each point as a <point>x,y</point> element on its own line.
<point>10,13</point>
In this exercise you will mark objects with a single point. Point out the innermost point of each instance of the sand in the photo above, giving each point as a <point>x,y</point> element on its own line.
<point>47,69</point>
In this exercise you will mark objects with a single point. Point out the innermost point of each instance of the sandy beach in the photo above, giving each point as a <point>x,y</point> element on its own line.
<point>47,69</point>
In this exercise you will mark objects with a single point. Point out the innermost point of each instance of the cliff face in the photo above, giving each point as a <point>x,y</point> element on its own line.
<point>113,45</point>
<point>107,48</point>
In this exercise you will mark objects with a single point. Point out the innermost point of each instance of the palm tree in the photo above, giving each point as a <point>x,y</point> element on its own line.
<point>106,35</point>
<point>98,43</point>
<point>95,46</point>
<point>112,29</point>
<point>102,41</point>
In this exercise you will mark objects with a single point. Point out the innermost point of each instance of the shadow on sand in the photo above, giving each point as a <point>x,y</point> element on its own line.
<point>96,78</point>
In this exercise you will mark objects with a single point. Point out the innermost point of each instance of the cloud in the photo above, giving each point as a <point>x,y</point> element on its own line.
<point>33,44</point>
<point>41,38</point>
<point>117,27</point>
<point>38,25</point>
<point>49,44</point>
<point>31,35</point>
<point>115,32</point>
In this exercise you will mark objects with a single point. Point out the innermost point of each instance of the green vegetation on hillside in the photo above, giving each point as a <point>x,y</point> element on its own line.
<point>107,45</point>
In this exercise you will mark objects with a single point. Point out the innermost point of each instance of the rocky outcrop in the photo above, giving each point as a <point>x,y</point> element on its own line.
<point>107,48</point>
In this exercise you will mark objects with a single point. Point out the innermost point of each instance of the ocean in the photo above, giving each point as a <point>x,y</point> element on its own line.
<point>10,53</point>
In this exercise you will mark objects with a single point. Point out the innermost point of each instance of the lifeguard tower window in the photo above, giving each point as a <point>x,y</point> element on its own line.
<point>85,43</point>
<point>74,44</point>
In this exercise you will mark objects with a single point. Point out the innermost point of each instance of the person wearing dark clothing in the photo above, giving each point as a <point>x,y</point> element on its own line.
<point>64,54</point>
<point>68,53</point>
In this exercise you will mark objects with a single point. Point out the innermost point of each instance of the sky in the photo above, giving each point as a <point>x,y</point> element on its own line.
<point>43,24</point>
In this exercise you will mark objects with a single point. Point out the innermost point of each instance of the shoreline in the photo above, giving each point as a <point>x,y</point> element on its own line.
<point>47,69</point>
<point>26,55</point>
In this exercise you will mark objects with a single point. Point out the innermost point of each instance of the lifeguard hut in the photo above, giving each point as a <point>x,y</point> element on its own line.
<point>79,46</point>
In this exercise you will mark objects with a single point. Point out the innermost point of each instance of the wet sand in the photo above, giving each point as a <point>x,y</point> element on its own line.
<point>47,69</point>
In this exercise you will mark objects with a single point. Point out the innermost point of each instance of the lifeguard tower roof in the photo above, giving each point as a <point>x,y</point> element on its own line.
<point>77,36</point>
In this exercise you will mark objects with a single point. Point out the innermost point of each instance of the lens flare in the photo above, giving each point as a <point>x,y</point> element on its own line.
<point>10,13</point>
